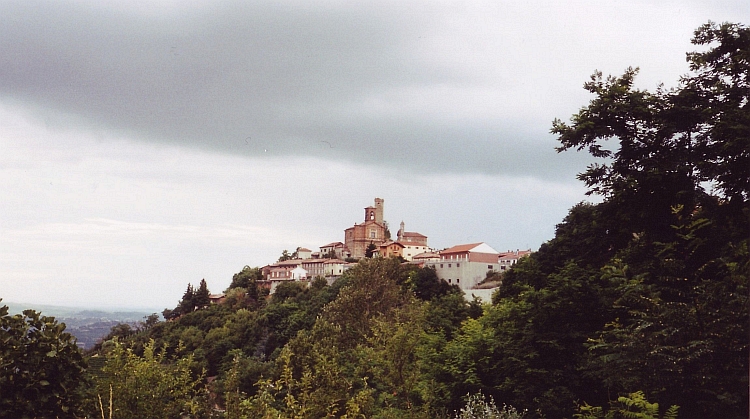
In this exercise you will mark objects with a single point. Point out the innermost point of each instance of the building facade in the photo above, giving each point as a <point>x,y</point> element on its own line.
<point>358,237</point>
<point>466,265</point>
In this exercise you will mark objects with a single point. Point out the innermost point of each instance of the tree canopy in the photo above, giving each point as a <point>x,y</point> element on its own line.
<point>41,367</point>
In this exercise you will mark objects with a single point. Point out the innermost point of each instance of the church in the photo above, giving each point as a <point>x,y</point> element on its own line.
<point>373,230</point>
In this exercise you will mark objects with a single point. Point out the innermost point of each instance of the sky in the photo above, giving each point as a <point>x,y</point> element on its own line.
<point>145,145</point>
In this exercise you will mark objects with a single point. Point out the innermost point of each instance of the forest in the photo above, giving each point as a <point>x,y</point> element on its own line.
<point>638,307</point>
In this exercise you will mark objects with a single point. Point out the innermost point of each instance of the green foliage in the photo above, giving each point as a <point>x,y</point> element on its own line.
<point>359,359</point>
<point>201,298</point>
<point>187,304</point>
<point>247,279</point>
<point>285,255</point>
<point>370,250</point>
<point>151,386</point>
<point>41,367</point>
<point>633,406</point>
<point>372,290</point>
<point>426,285</point>
<point>647,289</point>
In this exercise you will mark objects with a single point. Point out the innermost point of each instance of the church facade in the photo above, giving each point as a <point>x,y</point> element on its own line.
<point>358,237</point>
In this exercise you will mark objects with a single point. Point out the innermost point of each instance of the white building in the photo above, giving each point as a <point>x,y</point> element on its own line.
<point>466,265</point>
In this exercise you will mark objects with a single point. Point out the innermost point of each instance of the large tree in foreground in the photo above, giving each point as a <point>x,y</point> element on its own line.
<point>41,367</point>
<point>658,271</point>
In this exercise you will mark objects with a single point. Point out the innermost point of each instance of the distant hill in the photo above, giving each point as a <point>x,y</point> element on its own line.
<point>86,324</point>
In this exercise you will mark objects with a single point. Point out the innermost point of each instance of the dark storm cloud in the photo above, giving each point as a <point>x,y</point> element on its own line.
<point>338,82</point>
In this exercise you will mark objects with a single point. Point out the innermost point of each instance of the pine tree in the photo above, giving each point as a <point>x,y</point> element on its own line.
<point>187,305</point>
<point>202,295</point>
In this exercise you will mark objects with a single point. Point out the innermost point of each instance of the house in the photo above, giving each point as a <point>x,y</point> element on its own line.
<point>336,248</point>
<point>466,265</point>
<point>325,268</point>
<point>407,245</point>
<point>510,258</point>
<point>304,253</point>
<point>391,249</point>
<point>422,259</point>
<point>288,270</point>
<point>414,243</point>
<point>302,270</point>
<point>217,298</point>
<point>358,237</point>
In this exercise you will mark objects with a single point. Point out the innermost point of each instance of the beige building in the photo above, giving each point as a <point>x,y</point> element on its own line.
<point>466,265</point>
<point>336,248</point>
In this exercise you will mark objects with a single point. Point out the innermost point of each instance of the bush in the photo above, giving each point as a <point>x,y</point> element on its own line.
<point>477,407</point>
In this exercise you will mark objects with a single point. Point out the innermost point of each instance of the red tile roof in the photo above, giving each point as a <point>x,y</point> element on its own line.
<point>413,234</point>
<point>461,248</point>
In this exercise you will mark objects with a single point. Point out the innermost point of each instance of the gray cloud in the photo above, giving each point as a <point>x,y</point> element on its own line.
<point>413,85</point>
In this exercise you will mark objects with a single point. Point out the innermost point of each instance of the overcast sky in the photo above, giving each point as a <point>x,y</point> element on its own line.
<point>145,145</point>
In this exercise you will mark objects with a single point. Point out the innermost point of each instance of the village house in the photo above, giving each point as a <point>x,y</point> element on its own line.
<point>302,270</point>
<point>466,265</point>
<point>510,258</point>
<point>391,249</point>
<point>337,249</point>
<point>304,253</point>
<point>407,245</point>
<point>414,243</point>
<point>423,258</point>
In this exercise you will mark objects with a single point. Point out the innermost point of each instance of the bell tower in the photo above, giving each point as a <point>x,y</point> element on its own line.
<point>379,210</point>
<point>375,213</point>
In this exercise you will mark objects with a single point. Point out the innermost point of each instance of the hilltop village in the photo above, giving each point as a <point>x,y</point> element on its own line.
<point>463,265</point>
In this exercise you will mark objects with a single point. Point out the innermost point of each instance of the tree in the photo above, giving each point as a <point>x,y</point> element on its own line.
<point>187,304</point>
<point>246,278</point>
<point>426,285</point>
<point>284,256</point>
<point>633,405</point>
<point>370,251</point>
<point>675,188</point>
<point>152,386</point>
<point>202,296</point>
<point>716,98</point>
<point>41,367</point>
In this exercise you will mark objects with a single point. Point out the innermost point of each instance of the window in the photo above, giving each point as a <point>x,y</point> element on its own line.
<point>449,280</point>
<point>441,266</point>
<point>449,265</point>
<point>458,265</point>
<point>457,280</point>
<point>489,266</point>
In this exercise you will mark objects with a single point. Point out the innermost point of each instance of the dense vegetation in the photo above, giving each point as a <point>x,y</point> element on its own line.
<point>638,304</point>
